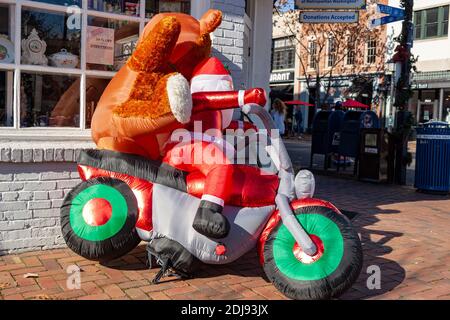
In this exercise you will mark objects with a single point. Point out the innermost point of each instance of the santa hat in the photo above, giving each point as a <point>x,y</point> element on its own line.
<point>211,75</point>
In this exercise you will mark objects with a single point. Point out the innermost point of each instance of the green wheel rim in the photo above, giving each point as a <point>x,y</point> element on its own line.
<point>114,224</point>
<point>333,243</point>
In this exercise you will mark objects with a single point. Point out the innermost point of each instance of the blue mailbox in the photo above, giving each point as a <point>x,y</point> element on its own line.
<point>319,139</point>
<point>351,126</point>
<point>334,130</point>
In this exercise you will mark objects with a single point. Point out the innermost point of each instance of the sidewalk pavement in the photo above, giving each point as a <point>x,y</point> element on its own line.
<point>404,233</point>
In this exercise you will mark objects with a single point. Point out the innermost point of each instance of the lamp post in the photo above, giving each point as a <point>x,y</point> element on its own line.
<point>403,93</point>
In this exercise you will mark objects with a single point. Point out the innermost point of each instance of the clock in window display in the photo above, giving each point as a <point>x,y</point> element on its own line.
<point>33,50</point>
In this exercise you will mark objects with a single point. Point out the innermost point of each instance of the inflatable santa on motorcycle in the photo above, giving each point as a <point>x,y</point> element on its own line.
<point>164,173</point>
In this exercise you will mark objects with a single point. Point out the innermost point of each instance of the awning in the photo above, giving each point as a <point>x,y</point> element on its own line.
<point>298,103</point>
<point>354,104</point>
<point>282,92</point>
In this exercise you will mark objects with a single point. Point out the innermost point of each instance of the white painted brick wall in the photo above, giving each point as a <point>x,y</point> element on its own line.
<point>228,39</point>
<point>31,195</point>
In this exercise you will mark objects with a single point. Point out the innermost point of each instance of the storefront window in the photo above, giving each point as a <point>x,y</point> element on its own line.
<point>55,67</point>
<point>48,100</point>
<point>50,38</point>
<point>153,7</point>
<point>94,91</point>
<point>62,2</point>
<point>6,98</point>
<point>6,34</point>
<point>127,7</point>
<point>431,23</point>
<point>446,113</point>
<point>428,96</point>
<point>110,43</point>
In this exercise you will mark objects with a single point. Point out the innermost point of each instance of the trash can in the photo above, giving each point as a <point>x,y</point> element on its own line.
<point>433,158</point>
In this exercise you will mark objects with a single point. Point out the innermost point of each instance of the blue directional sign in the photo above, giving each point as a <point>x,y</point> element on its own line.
<point>394,15</point>
<point>396,12</point>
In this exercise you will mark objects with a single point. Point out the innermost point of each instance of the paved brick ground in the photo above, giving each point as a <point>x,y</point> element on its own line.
<point>405,233</point>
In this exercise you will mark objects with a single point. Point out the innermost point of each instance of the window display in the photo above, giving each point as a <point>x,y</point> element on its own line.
<point>62,2</point>
<point>153,7</point>
<point>109,43</point>
<point>94,90</point>
<point>6,34</point>
<point>48,39</point>
<point>127,7</point>
<point>48,100</point>
<point>6,98</point>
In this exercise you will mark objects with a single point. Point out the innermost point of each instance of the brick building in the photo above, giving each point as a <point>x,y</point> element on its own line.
<point>37,151</point>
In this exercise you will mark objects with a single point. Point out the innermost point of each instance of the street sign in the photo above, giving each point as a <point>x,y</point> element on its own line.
<point>329,17</point>
<point>393,15</point>
<point>330,4</point>
<point>396,12</point>
<point>384,20</point>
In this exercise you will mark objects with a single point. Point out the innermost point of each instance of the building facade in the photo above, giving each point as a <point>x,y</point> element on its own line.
<point>285,48</point>
<point>431,83</point>
<point>56,58</point>
<point>346,59</point>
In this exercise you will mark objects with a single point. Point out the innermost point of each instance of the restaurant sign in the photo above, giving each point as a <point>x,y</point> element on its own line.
<point>277,77</point>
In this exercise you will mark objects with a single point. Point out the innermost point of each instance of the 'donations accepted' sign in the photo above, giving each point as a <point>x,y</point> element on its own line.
<point>330,4</point>
<point>329,17</point>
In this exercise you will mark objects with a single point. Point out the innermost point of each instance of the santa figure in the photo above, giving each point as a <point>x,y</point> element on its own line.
<point>212,90</point>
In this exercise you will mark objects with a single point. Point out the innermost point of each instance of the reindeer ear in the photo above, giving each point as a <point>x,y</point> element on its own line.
<point>210,21</point>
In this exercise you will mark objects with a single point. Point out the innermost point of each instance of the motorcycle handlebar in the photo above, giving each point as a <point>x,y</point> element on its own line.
<point>223,100</point>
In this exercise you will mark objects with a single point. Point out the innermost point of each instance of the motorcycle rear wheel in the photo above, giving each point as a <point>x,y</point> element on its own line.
<point>328,274</point>
<point>98,219</point>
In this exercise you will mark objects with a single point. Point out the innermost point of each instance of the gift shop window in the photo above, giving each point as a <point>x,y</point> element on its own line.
<point>58,56</point>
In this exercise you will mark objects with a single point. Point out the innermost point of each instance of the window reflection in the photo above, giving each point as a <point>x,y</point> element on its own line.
<point>62,2</point>
<point>49,100</point>
<point>153,7</point>
<point>127,7</point>
<point>50,38</point>
<point>94,91</point>
<point>6,34</point>
<point>6,98</point>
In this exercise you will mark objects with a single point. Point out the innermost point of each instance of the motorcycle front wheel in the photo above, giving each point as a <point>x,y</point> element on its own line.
<point>330,272</point>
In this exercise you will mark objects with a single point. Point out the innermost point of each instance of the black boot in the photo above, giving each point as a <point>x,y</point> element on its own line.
<point>210,222</point>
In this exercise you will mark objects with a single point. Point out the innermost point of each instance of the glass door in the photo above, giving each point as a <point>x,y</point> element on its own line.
<point>427,111</point>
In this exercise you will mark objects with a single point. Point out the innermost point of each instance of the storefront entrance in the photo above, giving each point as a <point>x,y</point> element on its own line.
<point>427,111</point>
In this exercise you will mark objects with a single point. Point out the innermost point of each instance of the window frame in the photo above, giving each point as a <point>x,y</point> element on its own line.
<point>331,52</point>
<point>371,51</point>
<point>312,55</point>
<point>43,133</point>
<point>441,23</point>
<point>285,54</point>
<point>350,53</point>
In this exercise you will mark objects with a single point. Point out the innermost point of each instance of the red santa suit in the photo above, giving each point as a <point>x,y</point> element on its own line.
<point>205,150</point>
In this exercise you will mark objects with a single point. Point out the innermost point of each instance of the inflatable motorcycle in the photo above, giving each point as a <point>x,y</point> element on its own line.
<point>133,190</point>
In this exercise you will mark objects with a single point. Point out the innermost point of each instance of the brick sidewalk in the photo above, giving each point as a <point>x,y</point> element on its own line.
<point>405,233</point>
